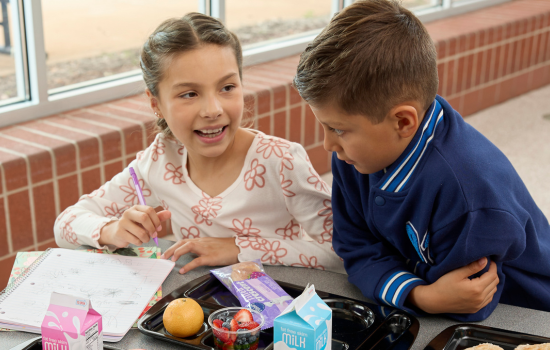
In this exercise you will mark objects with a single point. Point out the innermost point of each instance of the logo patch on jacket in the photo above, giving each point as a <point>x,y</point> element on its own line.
<point>420,243</point>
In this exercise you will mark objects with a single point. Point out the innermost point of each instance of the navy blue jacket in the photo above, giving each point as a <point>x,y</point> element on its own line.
<point>450,199</point>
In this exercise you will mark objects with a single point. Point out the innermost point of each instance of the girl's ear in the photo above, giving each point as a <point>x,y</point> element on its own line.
<point>405,118</point>
<point>154,103</point>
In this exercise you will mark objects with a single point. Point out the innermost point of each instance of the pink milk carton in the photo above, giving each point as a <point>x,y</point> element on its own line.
<point>71,324</point>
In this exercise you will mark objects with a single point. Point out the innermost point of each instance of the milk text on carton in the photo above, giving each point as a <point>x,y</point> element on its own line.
<point>305,324</point>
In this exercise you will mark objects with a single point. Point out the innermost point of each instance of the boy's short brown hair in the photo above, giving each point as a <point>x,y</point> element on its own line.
<point>372,56</point>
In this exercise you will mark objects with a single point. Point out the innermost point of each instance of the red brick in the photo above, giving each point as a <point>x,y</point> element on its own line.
<point>458,87</point>
<point>506,91</point>
<point>3,229</point>
<point>264,125</point>
<point>319,159</point>
<point>449,77</point>
<point>112,169</point>
<point>91,181</point>
<point>507,59</point>
<point>6,265</point>
<point>249,101</point>
<point>44,213</point>
<point>441,76</point>
<point>452,47</point>
<point>264,102</point>
<point>279,97</point>
<point>462,44</point>
<point>470,103</point>
<point>68,191</point>
<point>294,96</point>
<point>487,96</point>
<point>521,84</point>
<point>441,47</point>
<point>295,124</point>
<point>471,40</point>
<point>497,56</point>
<point>476,79</point>
<point>454,102</point>
<point>15,171</point>
<point>39,160</point>
<point>20,220</point>
<point>539,79</point>
<point>279,124</point>
<point>89,152</point>
<point>310,121</point>
<point>44,246</point>
<point>487,66</point>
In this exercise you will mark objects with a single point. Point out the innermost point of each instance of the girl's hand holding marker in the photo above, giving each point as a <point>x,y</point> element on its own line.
<point>137,224</point>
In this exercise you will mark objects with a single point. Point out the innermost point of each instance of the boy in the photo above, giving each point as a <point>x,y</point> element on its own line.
<point>421,200</point>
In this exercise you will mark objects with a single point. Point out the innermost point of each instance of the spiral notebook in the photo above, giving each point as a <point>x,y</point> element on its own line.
<point>119,288</point>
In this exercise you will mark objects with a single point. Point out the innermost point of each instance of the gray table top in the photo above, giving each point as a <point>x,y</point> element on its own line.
<point>505,316</point>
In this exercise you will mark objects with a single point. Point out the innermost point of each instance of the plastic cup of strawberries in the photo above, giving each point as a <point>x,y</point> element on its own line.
<point>236,328</point>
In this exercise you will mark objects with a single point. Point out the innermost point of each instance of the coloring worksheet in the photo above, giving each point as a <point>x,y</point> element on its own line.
<point>119,288</point>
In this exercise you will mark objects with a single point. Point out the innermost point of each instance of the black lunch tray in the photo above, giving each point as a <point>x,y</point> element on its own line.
<point>356,324</point>
<point>37,345</point>
<point>462,336</point>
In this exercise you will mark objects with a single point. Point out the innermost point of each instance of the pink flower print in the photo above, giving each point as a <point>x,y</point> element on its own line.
<point>317,182</point>
<point>164,205</point>
<point>67,232</point>
<point>115,211</point>
<point>158,148</point>
<point>285,184</point>
<point>273,252</point>
<point>254,242</point>
<point>253,177</point>
<point>326,236</point>
<point>180,150</point>
<point>132,197</point>
<point>139,155</point>
<point>245,228</point>
<point>207,209</point>
<point>174,174</point>
<point>97,230</point>
<point>191,232</point>
<point>286,162</point>
<point>271,145</point>
<point>327,213</point>
<point>291,230</point>
<point>310,263</point>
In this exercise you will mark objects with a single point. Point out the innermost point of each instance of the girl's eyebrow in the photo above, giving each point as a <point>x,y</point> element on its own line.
<point>195,85</point>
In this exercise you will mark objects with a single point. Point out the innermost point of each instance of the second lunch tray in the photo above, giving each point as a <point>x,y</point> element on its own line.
<point>463,336</point>
<point>356,324</point>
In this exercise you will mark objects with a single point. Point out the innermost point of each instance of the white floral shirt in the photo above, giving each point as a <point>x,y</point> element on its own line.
<point>278,209</point>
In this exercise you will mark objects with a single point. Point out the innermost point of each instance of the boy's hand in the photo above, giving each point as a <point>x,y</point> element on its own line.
<point>137,225</point>
<point>455,293</point>
<point>211,251</point>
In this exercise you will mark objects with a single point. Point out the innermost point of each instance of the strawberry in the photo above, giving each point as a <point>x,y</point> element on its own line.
<point>218,323</point>
<point>254,346</point>
<point>249,325</point>
<point>243,316</point>
<point>234,328</point>
<point>224,337</point>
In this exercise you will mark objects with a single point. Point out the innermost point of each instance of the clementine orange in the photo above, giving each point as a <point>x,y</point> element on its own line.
<point>183,317</point>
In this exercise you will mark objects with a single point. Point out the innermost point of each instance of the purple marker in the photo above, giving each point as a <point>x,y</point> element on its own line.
<point>140,195</point>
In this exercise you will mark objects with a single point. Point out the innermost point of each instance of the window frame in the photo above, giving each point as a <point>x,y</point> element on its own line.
<point>41,103</point>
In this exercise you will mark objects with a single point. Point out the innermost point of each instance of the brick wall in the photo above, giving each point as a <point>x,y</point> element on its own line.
<point>484,58</point>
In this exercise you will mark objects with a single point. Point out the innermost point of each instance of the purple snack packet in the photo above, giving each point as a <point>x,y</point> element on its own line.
<point>254,289</point>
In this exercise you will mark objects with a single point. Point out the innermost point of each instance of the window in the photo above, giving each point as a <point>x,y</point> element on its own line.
<point>58,55</point>
<point>13,75</point>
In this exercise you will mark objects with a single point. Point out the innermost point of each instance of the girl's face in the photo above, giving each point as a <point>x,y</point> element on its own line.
<point>201,99</point>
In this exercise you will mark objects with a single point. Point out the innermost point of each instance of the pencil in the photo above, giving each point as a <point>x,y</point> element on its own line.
<point>140,195</point>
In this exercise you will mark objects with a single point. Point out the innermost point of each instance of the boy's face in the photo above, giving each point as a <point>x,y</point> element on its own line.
<point>369,147</point>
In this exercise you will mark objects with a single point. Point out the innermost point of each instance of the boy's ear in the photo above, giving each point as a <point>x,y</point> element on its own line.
<point>405,120</point>
<point>154,103</point>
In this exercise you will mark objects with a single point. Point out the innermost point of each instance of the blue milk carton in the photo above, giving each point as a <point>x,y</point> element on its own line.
<point>305,324</point>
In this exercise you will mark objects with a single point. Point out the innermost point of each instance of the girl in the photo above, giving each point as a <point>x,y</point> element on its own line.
<point>232,194</point>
